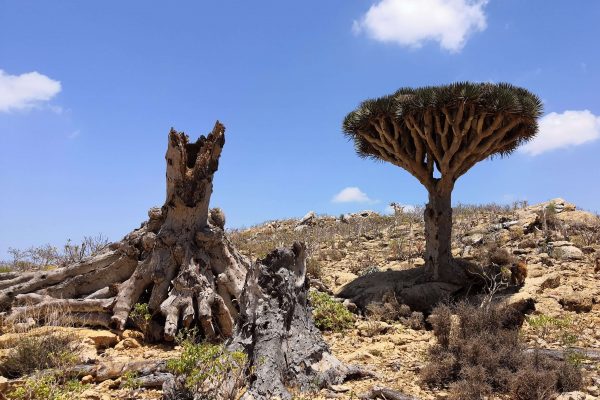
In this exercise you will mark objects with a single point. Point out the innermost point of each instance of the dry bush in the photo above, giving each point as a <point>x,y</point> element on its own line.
<point>54,350</point>
<point>389,309</point>
<point>364,265</point>
<point>49,257</point>
<point>585,234</point>
<point>478,352</point>
<point>314,268</point>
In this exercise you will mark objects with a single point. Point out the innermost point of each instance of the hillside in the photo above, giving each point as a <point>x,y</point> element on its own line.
<point>559,244</point>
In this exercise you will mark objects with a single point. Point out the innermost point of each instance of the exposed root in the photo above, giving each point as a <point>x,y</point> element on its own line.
<point>179,262</point>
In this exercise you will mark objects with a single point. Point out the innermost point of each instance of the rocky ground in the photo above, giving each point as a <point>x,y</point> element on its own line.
<point>559,244</point>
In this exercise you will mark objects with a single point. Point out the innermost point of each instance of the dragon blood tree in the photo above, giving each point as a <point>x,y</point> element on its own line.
<point>437,134</point>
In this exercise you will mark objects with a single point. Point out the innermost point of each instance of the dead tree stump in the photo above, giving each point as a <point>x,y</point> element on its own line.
<point>179,261</point>
<point>277,331</point>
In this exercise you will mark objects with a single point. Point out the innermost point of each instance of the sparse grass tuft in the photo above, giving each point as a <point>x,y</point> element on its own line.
<point>38,352</point>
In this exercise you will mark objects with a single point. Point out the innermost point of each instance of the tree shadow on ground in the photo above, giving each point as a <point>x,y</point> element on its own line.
<point>408,286</point>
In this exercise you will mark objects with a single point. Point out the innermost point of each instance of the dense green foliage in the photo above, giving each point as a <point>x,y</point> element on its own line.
<point>329,314</point>
<point>486,99</point>
<point>205,365</point>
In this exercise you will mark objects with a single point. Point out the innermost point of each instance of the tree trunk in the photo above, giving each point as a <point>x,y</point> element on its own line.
<point>276,329</point>
<point>439,265</point>
<point>180,261</point>
<point>277,332</point>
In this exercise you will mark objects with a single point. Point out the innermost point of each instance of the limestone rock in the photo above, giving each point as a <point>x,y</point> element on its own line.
<point>563,250</point>
<point>128,343</point>
<point>576,301</point>
<point>101,338</point>
<point>309,219</point>
<point>473,240</point>
<point>574,396</point>
<point>550,281</point>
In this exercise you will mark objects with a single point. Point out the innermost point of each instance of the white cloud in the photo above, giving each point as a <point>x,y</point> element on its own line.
<point>412,22</point>
<point>571,128</point>
<point>351,195</point>
<point>19,92</point>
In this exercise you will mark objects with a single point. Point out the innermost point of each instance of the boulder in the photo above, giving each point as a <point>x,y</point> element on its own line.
<point>309,219</point>
<point>473,240</point>
<point>550,281</point>
<point>567,253</point>
<point>101,338</point>
<point>576,301</point>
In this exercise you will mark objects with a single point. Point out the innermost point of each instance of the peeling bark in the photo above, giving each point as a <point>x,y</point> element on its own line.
<point>179,261</point>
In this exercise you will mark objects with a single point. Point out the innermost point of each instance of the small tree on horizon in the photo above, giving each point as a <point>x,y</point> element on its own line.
<point>437,134</point>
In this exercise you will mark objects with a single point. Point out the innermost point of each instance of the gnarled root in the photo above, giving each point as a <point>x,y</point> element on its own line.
<point>179,262</point>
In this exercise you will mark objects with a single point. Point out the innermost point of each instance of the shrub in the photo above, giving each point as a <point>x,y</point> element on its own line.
<point>479,352</point>
<point>141,317</point>
<point>38,352</point>
<point>129,380</point>
<point>48,387</point>
<point>314,268</point>
<point>329,314</point>
<point>205,367</point>
<point>389,309</point>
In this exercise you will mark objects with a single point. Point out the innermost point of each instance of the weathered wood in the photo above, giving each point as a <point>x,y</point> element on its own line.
<point>180,256</point>
<point>277,331</point>
<point>381,393</point>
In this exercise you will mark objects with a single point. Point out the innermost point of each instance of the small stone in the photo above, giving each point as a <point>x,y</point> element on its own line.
<point>101,338</point>
<point>473,240</point>
<point>128,333</point>
<point>90,394</point>
<point>87,379</point>
<point>350,305</point>
<point>105,385</point>
<point>508,224</point>
<point>3,384</point>
<point>128,343</point>
<point>340,388</point>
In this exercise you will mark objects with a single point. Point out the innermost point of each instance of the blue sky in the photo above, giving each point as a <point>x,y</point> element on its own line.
<point>89,90</point>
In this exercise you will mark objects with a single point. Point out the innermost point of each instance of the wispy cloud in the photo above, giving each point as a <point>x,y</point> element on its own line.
<point>570,128</point>
<point>25,91</point>
<point>352,195</point>
<point>74,134</point>
<point>410,23</point>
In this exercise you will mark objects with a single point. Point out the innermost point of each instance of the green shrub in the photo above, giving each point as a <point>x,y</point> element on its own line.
<point>206,366</point>
<point>329,314</point>
<point>47,387</point>
<point>141,317</point>
<point>129,380</point>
